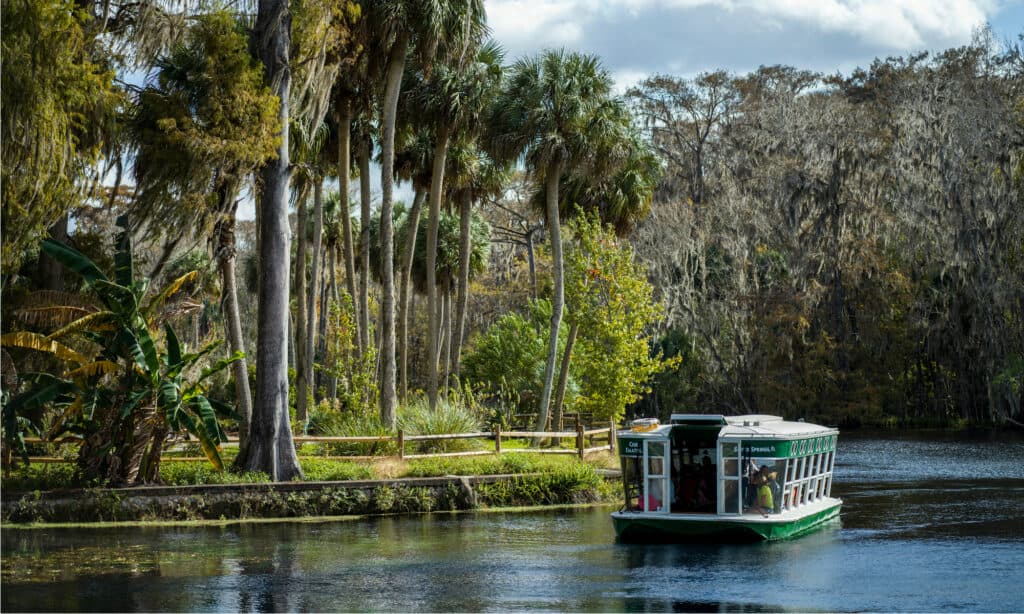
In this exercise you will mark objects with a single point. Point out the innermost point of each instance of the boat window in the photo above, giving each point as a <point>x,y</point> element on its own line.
<point>730,496</point>
<point>729,479</point>
<point>632,476</point>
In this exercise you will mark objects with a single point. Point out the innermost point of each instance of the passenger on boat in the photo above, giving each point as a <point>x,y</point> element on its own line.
<point>765,500</point>
<point>776,489</point>
<point>751,482</point>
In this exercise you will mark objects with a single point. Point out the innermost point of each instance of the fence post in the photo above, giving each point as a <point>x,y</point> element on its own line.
<point>401,444</point>
<point>497,439</point>
<point>611,436</point>
<point>579,439</point>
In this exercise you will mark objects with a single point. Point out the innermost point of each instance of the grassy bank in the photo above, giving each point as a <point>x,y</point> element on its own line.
<point>35,494</point>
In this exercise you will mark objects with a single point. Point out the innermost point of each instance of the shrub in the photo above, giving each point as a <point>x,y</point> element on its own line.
<point>452,416</point>
<point>356,424</point>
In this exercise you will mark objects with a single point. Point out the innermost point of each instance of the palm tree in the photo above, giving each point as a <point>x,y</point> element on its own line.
<point>475,175</point>
<point>453,97</point>
<point>271,448</point>
<point>413,163</point>
<point>553,113</point>
<point>426,26</point>
<point>216,141</point>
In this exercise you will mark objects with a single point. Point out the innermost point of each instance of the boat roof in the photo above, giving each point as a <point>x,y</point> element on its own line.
<point>763,426</point>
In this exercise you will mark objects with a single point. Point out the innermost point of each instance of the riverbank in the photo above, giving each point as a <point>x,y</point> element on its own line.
<point>568,483</point>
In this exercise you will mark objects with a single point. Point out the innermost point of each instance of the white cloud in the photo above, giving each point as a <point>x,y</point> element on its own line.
<point>903,24</point>
<point>896,24</point>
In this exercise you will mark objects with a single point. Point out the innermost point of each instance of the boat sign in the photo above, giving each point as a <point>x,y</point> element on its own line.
<point>631,447</point>
<point>788,449</point>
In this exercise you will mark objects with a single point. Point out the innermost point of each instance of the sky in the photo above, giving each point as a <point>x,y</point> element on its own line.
<point>637,38</point>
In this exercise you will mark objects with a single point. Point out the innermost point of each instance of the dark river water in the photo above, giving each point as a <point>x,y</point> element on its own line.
<point>927,525</point>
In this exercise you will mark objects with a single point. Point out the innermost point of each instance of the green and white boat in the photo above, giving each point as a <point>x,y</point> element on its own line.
<point>707,477</point>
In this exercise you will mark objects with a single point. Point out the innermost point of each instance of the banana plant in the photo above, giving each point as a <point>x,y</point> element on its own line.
<point>128,392</point>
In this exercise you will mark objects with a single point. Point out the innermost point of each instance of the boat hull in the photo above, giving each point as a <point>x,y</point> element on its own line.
<point>631,526</point>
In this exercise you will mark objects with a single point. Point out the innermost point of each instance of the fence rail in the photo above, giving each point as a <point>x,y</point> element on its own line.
<point>580,449</point>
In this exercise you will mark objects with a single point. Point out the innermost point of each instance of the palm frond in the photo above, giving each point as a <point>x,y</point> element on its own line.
<point>173,288</point>
<point>41,343</point>
<point>97,321</point>
<point>93,369</point>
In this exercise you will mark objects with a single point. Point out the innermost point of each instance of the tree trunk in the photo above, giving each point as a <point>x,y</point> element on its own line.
<point>563,373</point>
<point>314,285</point>
<point>396,65</point>
<point>465,250</point>
<point>51,272</point>
<point>271,448</point>
<point>404,288</point>
<point>363,300</point>
<point>301,311</point>
<point>344,172</point>
<point>554,171</point>
<point>444,334</point>
<point>433,221</point>
<point>332,380</point>
<point>533,263</point>
<point>224,240</point>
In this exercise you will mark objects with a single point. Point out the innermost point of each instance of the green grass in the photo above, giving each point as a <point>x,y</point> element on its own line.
<point>487,465</point>
<point>325,470</point>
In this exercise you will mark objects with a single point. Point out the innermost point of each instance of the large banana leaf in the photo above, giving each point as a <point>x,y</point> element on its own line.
<point>96,321</point>
<point>208,446</point>
<point>124,269</point>
<point>169,395</point>
<point>133,401</point>
<point>202,407</point>
<point>73,259</point>
<point>190,359</point>
<point>93,369</point>
<point>173,349</point>
<point>35,341</point>
<point>46,389</point>
<point>219,366</point>
<point>148,347</point>
<point>51,315</point>
<point>159,300</point>
<point>119,299</point>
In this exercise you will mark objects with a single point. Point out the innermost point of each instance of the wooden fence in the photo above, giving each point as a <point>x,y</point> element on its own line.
<point>584,440</point>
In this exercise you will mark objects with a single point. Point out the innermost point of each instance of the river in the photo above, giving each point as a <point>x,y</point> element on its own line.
<point>928,524</point>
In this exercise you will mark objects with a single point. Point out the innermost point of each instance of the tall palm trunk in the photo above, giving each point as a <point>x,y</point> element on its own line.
<point>271,447</point>
<point>344,160</point>
<point>558,293</point>
<point>465,249</point>
<point>332,381</point>
<point>404,288</point>
<point>363,300</point>
<point>396,65</point>
<point>224,237</point>
<point>301,311</point>
<point>433,222</point>
<point>444,333</point>
<point>314,284</point>
<point>563,373</point>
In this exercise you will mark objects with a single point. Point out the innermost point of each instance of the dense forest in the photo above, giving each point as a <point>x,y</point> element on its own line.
<point>842,248</point>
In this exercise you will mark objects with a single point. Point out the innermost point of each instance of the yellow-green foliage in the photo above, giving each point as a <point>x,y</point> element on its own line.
<point>57,101</point>
<point>611,302</point>
<point>208,116</point>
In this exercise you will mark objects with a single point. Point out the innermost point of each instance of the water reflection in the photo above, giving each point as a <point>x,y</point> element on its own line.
<point>908,540</point>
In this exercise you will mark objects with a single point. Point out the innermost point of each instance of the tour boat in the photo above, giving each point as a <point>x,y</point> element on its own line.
<point>710,477</point>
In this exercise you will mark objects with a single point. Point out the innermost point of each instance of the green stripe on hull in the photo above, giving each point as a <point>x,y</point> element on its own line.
<point>666,528</point>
